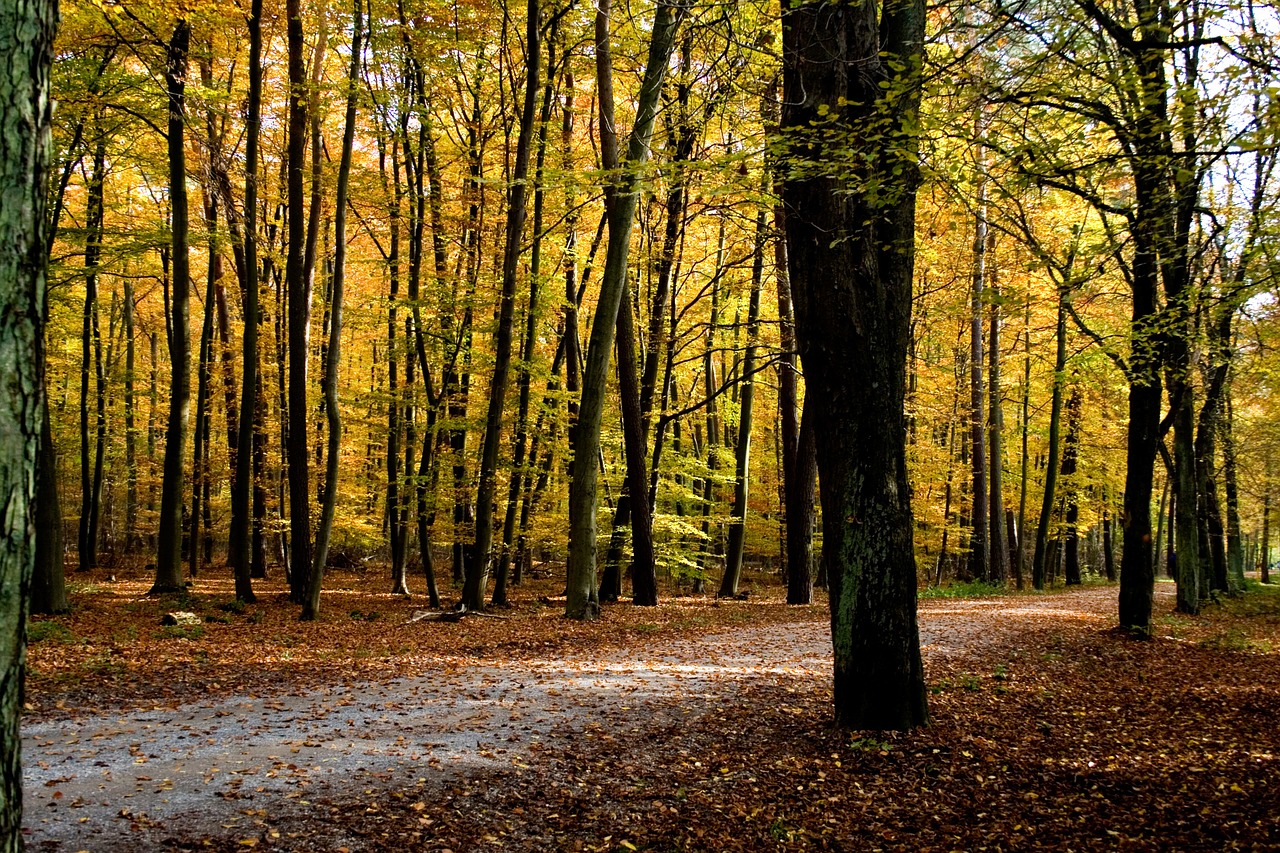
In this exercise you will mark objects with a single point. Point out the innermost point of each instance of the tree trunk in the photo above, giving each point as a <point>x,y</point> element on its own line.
<point>1071,496</point>
<point>333,356</point>
<point>980,540</point>
<point>477,575</point>
<point>240,548</point>
<point>91,364</point>
<point>1039,562</point>
<point>298,287</point>
<point>26,42</point>
<point>169,547</point>
<point>644,578</point>
<point>853,301</point>
<point>746,401</point>
<point>200,473</point>
<point>622,196</point>
<point>995,448</point>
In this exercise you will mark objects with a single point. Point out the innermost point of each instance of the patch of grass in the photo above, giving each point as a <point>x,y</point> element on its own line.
<point>180,632</point>
<point>970,589</point>
<point>1234,639</point>
<point>648,627</point>
<point>235,605</point>
<point>870,744</point>
<point>54,632</point>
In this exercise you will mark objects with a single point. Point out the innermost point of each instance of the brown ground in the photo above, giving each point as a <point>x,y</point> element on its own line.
<point>692,726</point>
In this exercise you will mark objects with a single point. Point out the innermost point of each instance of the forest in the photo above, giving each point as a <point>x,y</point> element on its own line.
<point>661,302</point>
<point>412,204</point>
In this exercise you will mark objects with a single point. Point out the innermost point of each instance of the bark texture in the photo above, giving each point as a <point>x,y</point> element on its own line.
<point>850,97</point>
<point>26,43</point>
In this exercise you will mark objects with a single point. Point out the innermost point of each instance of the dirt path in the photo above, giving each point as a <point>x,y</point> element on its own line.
<point>124,781</point>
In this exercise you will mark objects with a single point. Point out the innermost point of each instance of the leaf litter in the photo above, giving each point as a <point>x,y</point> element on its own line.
<point>698,725</point>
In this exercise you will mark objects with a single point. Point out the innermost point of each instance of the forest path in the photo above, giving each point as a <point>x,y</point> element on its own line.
<point>128,780</point>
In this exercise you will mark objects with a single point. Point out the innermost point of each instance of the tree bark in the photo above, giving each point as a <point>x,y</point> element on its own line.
<point>622,198</point>
<point>298,287</point>
<point>169,547</point>
<point>26,42</point>
<point>333,356</point>
<point>477,575</point>
<point>746,402</point>
<point>1040,560</point>
<point>244,483</point>
<point>853,300</point>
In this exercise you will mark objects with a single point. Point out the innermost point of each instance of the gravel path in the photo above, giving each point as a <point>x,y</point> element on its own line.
<point>116,781</point>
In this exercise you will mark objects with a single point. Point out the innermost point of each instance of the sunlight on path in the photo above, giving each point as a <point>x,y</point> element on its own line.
<point>113,782</point>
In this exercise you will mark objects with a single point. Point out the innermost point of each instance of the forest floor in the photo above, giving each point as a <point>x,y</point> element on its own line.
<point>696,725</point>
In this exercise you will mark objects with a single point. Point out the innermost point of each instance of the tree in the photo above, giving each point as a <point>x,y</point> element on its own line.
<point>169,558</point>
<point>477,574</point>
<point>26,40</point>
<point>851,94</point>
<point>298,285</point>
<point>311,607</point>
<point>621,198</point>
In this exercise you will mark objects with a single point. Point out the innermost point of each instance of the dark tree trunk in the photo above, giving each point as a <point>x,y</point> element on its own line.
<point>477,575</point>
<point>853,300</point>
<point>169,547</point>
<point>333,355</point>
<point>26,43</point>
<point>250,440</point>
<point>92,441</point>
<point>299,290</point>
<point>738,526</point>
<point>1071,496</point>
<point>644,578</point>
<point>622,198</point>
<point>1039,562</point>
<point>995,447</point>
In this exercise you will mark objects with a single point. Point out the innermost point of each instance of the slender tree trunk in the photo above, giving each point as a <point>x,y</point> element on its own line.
<point>999,544</point>
<point>91,364</point>
<point>1265,567</point>
<point>333,356</point>
<point>249,439</point>
<point>622,198</point>
<point>1020,554</point>
<point>746,401</point>
<point>298,287</point>
<point>644,579</point>
<point>477,576</point>
<point>1040,561</point>
<point>200,473</point>
<point>1235,545</point>
<point>1071,496</point>
<point>169,556</point>
<point>980,540</point>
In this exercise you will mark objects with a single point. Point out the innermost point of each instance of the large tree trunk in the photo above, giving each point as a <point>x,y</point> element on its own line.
<point>169,547</point>
<point>622,197</point>
<point>26,42</point>
<point>853,301</point>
